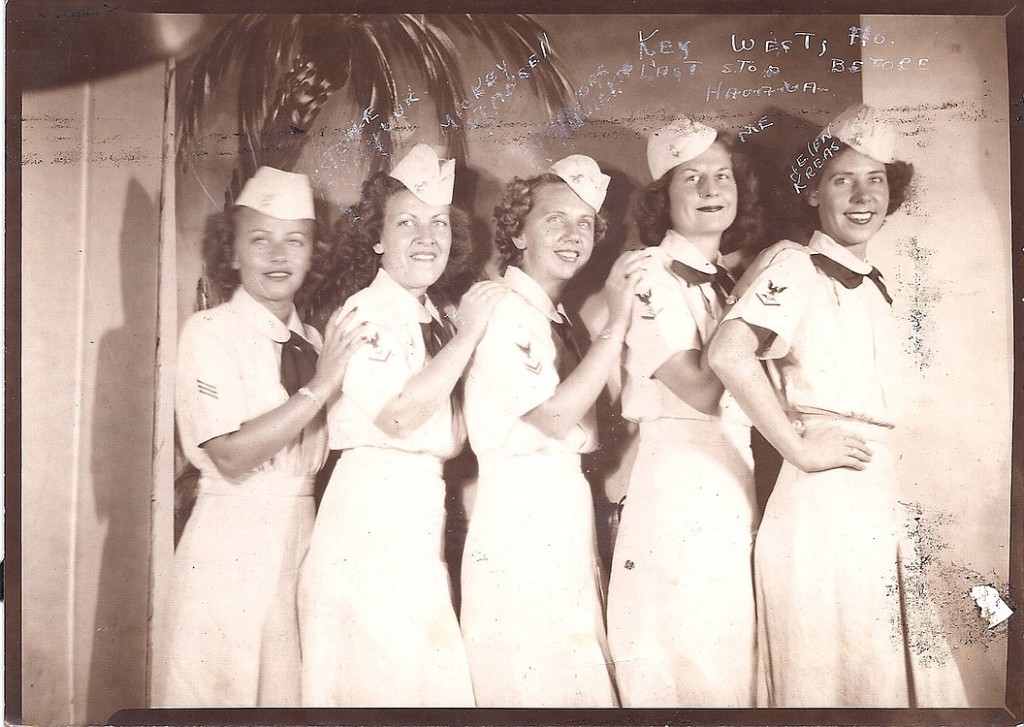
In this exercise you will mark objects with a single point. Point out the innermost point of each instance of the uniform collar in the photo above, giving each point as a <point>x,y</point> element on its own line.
<point>403,299</point>
<point>822,243</point>
<point>683,251</point>
<point>259,317</point>
<point>530,289</point>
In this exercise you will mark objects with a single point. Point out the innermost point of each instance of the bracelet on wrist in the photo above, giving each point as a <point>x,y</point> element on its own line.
<point>310,394</point>
<point>608,333</point>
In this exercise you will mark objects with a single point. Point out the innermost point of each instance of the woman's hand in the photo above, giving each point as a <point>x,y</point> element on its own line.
<point>826,447</point>
<point>622,283</point>
<point>427,391</point>
<point>475,308</point>
<point>340,343</point>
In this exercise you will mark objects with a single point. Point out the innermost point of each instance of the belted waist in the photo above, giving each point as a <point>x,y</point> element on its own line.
<point>859,424</point>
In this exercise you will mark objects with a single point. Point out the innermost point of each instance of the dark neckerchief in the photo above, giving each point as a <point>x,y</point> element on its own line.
<point>570,358</point>
<point>298,363</point>
<point>436,336</point>
<point>692,276</point>
<point>721,282</point>
<point>849,278</point>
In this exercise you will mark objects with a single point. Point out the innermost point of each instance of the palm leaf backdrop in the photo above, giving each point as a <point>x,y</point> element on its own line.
<point>289,65</point>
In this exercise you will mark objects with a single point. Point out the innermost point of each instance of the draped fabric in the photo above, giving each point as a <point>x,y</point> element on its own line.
<point>298,363</point>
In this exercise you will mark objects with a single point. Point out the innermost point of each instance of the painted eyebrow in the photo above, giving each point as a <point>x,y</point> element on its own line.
<point>838,174</point>
<point>292,232</point>
<point>564,213</point>
<point>698,171</point>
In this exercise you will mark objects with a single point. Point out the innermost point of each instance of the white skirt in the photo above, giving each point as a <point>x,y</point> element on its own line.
<point>532,611</point>
<point>377,622</point>
<point>681,617</point>
<point>234,638</point>
<point>832,593</point>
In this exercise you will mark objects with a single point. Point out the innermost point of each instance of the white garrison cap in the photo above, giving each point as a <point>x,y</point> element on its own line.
<point>863,129</point>
<point>676,143</point>
<point>425,175</point>
<point>584,177</point>
<point>284,195</point>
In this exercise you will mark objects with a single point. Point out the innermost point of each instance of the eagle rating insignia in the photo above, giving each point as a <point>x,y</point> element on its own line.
<point>378,352</point>
<point>651,309</point>
<point>771,296</point>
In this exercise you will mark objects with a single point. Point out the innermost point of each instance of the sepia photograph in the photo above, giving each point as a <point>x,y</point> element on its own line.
<point>484,363</point>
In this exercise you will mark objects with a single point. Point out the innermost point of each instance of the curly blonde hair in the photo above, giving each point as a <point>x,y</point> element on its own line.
<point>515,205</point>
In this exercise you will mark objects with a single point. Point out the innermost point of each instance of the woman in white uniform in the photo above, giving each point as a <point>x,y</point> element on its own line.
<point>832,605</point>
<point>377,622</point>
<point>532,611</point>
<point>681,623</point>
<point>249,394</point>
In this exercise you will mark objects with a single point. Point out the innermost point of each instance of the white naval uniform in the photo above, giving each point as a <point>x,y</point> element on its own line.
<point>681,622</point>
<point>377,621</point>
<point>531,593</point>
<point>234,631</point>
<point>832,597</point>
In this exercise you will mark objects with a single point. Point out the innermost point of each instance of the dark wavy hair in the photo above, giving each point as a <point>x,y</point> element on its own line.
<point>653,207</point>
<point>353,264</point>
<point>218,247</point>
<point>515,205</point>
<point>899,174</point>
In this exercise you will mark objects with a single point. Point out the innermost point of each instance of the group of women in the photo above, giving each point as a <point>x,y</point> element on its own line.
<point>280,604</point>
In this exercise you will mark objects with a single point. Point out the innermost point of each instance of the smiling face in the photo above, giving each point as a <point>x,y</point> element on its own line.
<point>702,195</point>
<point>852,199</point>
<point>415,240</point>
<point>557,237</point>
<point>272,257</point>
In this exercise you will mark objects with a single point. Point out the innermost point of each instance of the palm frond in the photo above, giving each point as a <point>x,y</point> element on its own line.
<point>287,66</point>
<point>442,73</point>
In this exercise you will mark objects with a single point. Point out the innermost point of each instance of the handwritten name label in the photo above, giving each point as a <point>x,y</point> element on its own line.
<point>494,87</point>
<point>807,164</point>
<point>758,126</point>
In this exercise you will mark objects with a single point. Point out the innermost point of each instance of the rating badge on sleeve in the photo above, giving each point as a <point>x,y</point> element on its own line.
<point>531,363</point>
<point>650,309</point>
<point>378,351</point>
<point>771,296</point>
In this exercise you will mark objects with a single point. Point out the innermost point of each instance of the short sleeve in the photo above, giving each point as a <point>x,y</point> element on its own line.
<point>662,324</point>
<point>759,263</point>
<point>378,371</point>
<point>777,299</point>
<point>210,399</point>
<point>516,358</point>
